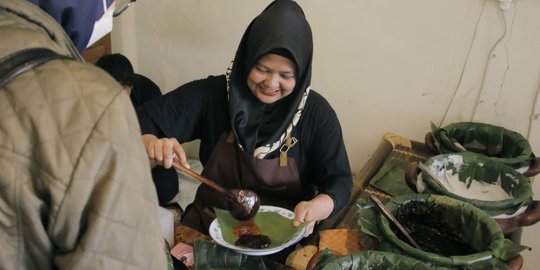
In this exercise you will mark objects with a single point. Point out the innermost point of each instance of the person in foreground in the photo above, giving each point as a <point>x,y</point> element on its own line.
<point>261,126</point>
<point>75,189</point>
<point>141,90</point>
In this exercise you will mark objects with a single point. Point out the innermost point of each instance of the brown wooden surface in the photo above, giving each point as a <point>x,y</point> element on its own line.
<point>348,218</point>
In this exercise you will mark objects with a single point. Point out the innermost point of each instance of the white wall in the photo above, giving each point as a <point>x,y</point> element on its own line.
<point>385,65</point>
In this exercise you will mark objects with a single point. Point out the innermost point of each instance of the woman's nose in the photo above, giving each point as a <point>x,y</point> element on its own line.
<point>272,80</point>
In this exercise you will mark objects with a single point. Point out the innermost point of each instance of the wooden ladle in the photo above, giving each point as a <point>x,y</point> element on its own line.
<point>393,219</point>
<point>243,204</point>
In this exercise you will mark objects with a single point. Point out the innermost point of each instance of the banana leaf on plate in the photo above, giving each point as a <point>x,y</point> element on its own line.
<point>277,227</point>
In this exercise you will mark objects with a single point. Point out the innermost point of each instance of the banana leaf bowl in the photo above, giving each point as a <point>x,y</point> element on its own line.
<point>498,143</point>
<point>370,259</point>
<point>494,187</point>
<point>451,233</point>
<point>379,260</point>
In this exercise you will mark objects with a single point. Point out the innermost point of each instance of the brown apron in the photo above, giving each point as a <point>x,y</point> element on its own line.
<point>276,183</point>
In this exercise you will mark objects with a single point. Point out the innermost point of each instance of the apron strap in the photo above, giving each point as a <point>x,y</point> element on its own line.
<point>289,143</point>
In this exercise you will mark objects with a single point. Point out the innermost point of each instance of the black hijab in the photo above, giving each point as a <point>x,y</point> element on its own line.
<point>261,128</point>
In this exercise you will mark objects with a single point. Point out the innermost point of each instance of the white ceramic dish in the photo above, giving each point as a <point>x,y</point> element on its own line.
<point>215,233</point>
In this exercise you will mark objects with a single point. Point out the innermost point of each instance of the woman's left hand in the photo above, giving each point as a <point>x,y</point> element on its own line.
<point>318,208</point>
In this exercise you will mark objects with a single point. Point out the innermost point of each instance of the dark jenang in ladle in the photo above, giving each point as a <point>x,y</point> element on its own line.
<point>243,204</point>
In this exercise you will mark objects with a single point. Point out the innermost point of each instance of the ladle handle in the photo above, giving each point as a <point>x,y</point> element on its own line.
<point>197,176</point>
<point>391,217</point>
<point>425,169</point>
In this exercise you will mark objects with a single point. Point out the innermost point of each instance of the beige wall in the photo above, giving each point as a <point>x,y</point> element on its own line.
<point>384,65</point>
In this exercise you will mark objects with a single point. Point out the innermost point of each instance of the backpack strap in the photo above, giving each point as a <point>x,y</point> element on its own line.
<point>19,62</point>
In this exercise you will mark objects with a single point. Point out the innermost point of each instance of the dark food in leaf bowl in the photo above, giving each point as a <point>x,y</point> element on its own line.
<point>273,222</point>
<point>249,235</point>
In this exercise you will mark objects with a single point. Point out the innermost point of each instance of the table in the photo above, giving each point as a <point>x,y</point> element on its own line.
<point>347,218</point>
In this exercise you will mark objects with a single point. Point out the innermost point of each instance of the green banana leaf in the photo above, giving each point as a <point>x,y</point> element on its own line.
<point>373,260</point>
<point>277,227</point>
<point>473,167</point>
<point>368,218</point>
<point>210,256</point>
<point>390,178</point>
<point>496,142</point>
<point>472,224</point>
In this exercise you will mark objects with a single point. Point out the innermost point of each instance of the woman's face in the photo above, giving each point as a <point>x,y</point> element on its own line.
<point>273,77</point>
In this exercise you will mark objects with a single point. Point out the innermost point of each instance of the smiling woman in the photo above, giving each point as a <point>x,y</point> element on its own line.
<point>260,125</point>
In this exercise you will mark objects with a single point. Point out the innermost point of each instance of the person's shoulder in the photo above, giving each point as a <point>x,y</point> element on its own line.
<point>211,80</point>
<point>209,88</point>
<point>77,76</point>
<point>319,110</point>
<point>146,84</point>
<point>317,101</point>
<point>142,78</point>
<point>77,94</point>
<point>216,80</point>
<point>316,96</point>
<point>74,81</point>
<point>211,84</point>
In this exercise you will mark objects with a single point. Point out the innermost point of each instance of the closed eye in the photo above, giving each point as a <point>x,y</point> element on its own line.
<point>262,69</point>
<point>287,75</point>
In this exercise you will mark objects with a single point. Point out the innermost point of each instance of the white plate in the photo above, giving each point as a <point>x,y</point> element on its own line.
<point>215,233</point>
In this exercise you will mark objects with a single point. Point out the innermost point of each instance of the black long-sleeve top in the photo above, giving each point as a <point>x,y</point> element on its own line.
<point>199,110</point>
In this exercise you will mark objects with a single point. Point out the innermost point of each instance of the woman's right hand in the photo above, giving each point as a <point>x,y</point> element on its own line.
<point>163,151</point>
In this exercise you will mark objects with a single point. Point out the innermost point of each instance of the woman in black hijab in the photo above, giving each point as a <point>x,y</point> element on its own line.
<point>261,126</point>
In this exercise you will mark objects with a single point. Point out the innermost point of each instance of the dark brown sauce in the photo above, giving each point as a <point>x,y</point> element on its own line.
<point>257,241</point>
<point>249,235</point>
<point>433,236</point>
